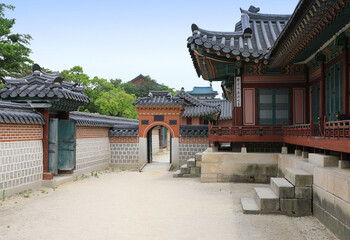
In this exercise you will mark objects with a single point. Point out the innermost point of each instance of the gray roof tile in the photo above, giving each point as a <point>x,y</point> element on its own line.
<point>195,107</point>
<point>194,130</point>
<point>124,131</point>
<point>225,108</point>
<point>159,98</point>
<point>254,35</point>
<point>97,120</point>
<point>19,113</point>
<point>43,85</point>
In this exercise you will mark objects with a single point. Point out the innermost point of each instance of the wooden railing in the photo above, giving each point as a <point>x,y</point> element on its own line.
<point>337,129</point>
<point>299,130</point>
<point>246,131</point>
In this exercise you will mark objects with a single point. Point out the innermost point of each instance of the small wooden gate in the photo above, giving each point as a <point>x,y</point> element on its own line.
<point>62,145</point>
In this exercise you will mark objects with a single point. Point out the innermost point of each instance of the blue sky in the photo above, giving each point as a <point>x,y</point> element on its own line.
<point>121,39</point>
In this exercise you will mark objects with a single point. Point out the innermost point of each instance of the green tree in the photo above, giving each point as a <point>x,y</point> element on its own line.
<point>14,53</point>
<point>147,85</point>
<point>76,74</point>
<point>117,102</point>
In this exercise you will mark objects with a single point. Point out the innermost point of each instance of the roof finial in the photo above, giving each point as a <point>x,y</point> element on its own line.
<point>36,67</point>
<point>182,89</point>
<point>253,9</point>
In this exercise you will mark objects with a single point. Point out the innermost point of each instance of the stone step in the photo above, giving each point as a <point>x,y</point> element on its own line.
<point>189,175</point>
<point>299,177</point>
<point>57,180</point>
<point>296,207</point>
<point>184,169</point>
<point>177,174</point>
<point>249,206</point>
<point>282,188</point>
<point>266,200</point>
<point>323,160</point>
<point>191,162</point>
<point>198,156</point>
<point>195,171</point>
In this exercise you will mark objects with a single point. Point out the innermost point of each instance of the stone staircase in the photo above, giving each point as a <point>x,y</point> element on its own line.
<point>190,169</point>
<point>291,195</point>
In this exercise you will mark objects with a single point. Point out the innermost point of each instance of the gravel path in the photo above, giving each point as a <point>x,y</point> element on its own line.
<point>132,205</point>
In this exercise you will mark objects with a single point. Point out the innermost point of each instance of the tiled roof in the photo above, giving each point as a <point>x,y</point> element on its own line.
<point>96,120</point>
<point>195,107</point>
<point>19,113</point>
<point>124,131</point>
<point>203,91</point>
<point>139,76</point>
<point>43,85</point>
<point>225,108</point>
<point>159,98</point>
<point>194,130</point>
<point>254,35</point>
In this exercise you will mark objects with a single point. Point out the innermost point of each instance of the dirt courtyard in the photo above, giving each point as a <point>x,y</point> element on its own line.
<point>147,205</point>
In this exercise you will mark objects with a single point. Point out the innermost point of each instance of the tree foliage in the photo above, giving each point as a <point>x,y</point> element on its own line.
<point>14,53</point>
<point>142,90</point>
<point>117,102</point>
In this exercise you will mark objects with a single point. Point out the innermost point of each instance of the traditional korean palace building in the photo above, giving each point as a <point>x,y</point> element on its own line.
<point>203,92</point>
<point>286,75</point>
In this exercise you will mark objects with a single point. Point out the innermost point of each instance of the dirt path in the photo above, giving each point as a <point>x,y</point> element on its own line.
<point>133,205</point>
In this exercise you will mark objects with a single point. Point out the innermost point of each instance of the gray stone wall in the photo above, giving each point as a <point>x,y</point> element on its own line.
<point>125,154</point>
<point>92,154</point>
<point>187,151</point>
<point>21,166</point>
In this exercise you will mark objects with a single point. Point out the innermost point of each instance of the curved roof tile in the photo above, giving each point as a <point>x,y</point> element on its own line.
<point>43,85</point>
<point>96,120</point>
<point>19,113</point>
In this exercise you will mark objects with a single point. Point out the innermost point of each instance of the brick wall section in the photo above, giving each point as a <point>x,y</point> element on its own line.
<point>20,132</point>
<point>124,139</point>
<point>21,163</point>
<point>189,146</point>
<point>91,132</point>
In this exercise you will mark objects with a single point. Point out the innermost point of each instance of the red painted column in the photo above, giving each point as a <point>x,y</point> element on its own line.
<point>322,97</point>
<point>46,174</point>
<point>346,80</point>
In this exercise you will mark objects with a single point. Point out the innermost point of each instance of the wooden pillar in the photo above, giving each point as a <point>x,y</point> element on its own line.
<point>46,174</point>
<point>322,93</point>
<point>307,108</point>
<point>238,112</point>
<point>346,80</point>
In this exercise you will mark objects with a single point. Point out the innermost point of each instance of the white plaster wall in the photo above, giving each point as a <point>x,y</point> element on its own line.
<point>155,143</point>
<point>21,166</point>
<point>92,152</point>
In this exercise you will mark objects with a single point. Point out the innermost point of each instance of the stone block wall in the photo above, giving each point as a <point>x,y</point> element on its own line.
<point>189,146</point>
<point>21,154</point>
<point>238,167</point>
<point>93,149</point>
<point>331,192</point>
<point>155,140</point>
<point>125,151</point>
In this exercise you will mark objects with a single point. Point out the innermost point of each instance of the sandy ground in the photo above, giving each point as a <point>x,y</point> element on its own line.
<point>161,157</point>
<point>146,205</point>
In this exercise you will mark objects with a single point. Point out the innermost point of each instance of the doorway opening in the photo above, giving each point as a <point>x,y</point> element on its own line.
<point>159,145</point>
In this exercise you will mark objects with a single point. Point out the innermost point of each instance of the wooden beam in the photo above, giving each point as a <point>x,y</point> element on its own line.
<point>341,145</point>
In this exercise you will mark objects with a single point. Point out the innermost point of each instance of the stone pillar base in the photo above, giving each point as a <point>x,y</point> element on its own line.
<point>297,152</point>
<point>243,150</point>
<point>214,149</point>
<point>305,154</point>
<point>343,164</point>
<point>284,150</point>
<point>47,176</point>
